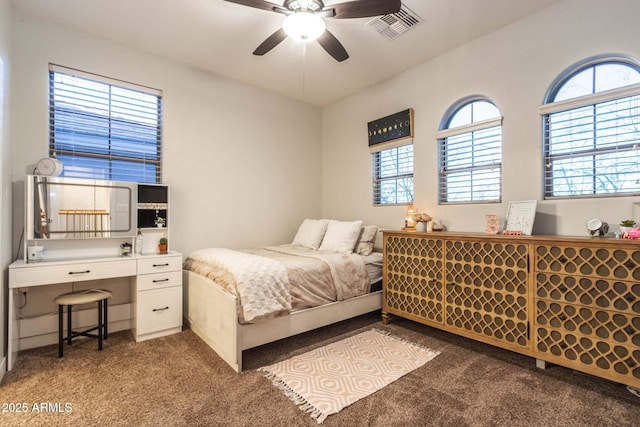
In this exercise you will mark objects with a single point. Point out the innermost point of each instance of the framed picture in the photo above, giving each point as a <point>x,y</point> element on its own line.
<point>493,225</point>
<point>520,217</point>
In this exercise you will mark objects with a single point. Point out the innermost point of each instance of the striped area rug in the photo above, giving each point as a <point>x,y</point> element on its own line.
<point>326,380</point>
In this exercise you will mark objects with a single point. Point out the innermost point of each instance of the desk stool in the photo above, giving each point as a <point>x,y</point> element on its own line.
<point>82,297</point>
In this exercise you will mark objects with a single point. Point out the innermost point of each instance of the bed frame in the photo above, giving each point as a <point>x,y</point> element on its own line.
<point>212,314</point>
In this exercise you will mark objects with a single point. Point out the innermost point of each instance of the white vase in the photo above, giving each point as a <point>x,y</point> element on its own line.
<point>421,226</point>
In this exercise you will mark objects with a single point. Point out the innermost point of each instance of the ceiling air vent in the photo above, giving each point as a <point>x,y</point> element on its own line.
<point>395,24</point>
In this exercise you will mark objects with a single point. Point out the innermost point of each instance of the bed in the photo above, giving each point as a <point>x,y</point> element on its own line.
<point>236,300</point>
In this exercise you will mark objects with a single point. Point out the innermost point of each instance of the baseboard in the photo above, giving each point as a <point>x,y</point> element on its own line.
<point>43,330</point>
<point>3,368</point>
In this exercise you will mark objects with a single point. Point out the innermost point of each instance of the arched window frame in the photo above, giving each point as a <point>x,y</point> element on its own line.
<point>477,191</point>
<point>599,182</point>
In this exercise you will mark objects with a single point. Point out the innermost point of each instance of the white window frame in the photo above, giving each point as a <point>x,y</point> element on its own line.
<point>594,100</point>
<point>399,178</point>
<point>443,136</point>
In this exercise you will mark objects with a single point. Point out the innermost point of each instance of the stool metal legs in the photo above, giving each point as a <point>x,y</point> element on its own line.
<point>60,334</point>
<point>106,321</point>
<point>100,330</point>
<point>102,327</point>
<point>69,331</point>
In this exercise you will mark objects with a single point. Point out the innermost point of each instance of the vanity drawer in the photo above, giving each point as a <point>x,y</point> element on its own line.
<point>160,263</point>
<point>159,309</point>
<point>159,280</point>
<point>45,273</point>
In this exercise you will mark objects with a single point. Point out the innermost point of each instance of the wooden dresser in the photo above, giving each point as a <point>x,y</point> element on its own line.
<point>571,301</point>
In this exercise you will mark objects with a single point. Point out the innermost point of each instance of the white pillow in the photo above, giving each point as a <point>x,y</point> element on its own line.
<point>310,233</point>
<point>341,236</point>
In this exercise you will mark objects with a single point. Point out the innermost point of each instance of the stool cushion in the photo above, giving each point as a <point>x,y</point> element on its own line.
<point>82,297</point>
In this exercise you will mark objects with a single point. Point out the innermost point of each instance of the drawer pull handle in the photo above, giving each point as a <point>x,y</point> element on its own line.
<point>166,264</point>
<point>161,309</point>
<point>160,280</point>
<point>80,272</point>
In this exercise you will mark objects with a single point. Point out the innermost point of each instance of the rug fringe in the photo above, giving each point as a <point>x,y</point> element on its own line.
<point>298,400</point>
<point>389,334</point>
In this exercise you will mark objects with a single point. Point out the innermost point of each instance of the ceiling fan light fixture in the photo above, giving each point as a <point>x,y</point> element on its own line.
<point>303,26</point>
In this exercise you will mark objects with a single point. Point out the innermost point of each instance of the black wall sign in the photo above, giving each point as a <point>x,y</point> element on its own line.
<point>395,126</point>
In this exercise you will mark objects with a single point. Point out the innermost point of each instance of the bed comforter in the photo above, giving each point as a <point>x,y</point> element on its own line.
<point>273,280</point>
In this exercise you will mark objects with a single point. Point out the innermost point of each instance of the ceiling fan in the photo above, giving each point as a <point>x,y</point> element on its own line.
<point>304,20</point>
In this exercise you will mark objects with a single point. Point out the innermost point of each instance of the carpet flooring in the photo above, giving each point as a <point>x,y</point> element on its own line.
<point>179,381</point>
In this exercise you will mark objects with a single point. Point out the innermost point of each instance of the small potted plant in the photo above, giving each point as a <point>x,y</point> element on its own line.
<point>160,221</point>
<point>625,226</point>
<point>162,245</point>
<point>421,220</point>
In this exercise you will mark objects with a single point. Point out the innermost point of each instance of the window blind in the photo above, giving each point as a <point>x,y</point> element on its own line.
<point>102,128</point>
<point>471,163</point>
<point>593,149</point>
<point>393,175</point>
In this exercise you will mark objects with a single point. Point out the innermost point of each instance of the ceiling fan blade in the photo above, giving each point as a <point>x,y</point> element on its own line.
<point>330,43</point>
<point>258,4</point>
<point>365,9</point>
<point>272,41</point>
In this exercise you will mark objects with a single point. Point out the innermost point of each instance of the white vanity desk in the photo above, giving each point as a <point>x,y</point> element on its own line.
<point>156,290</point>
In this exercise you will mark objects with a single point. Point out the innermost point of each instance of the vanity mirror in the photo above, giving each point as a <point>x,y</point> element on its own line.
<point>73,208</point>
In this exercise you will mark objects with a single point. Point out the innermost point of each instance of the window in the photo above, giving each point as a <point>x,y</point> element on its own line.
<point>591,130</point>
<point>393,175</point>
<point>470,152</point>
<point>101,128</point>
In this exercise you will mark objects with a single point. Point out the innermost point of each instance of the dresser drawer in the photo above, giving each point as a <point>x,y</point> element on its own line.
<point>159,280</point>
<point>160,264</point>
<point>44,274</point>
<point>606,294</point>
<point>159,309</point>
<point>598,262</point>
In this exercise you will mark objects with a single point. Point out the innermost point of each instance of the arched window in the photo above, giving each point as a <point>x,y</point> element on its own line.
<point>591,130</point>
<point>470,152</point>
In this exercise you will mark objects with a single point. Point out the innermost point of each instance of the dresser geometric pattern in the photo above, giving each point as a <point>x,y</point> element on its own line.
<point>486,289</point>
<point>571,301</point>
<point>414,285</point>
<point>588,309</point>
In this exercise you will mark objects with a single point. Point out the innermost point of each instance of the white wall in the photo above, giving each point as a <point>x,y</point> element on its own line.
<point>513,67</point>
<point>243,164</point>
<point>5,171</point>
<point>6,10</point>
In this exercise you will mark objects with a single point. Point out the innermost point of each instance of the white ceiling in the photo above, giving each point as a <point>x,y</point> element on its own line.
<point>219,37</point>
